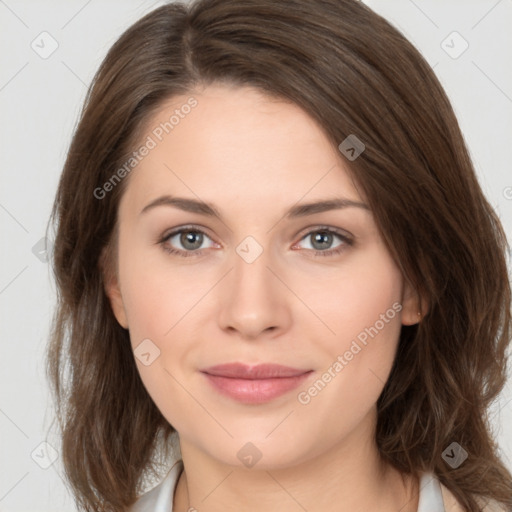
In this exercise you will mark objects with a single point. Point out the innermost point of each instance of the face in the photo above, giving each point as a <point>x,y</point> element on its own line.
<point>258,281</point>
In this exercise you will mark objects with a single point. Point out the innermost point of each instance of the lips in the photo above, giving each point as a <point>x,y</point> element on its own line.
<point>254,384</point>
<point>260,371</point>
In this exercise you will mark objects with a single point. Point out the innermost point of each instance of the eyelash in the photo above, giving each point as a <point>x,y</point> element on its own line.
<point>198,252</point>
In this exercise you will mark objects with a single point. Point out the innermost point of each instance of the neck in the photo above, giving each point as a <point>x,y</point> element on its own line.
<point>349,477</point>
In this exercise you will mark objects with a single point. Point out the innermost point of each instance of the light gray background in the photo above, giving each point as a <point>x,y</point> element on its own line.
<point>40,101</point>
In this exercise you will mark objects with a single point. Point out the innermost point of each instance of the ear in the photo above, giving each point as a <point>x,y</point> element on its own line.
<point>414,307</point>
<point>112,288</point>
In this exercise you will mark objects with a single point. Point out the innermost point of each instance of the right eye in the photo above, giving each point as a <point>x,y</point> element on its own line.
<point>190,238</point>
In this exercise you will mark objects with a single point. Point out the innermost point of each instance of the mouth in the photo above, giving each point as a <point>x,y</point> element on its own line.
<point>254,384</point>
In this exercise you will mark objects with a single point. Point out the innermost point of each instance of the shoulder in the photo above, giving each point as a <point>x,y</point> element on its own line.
<point>451,504</point>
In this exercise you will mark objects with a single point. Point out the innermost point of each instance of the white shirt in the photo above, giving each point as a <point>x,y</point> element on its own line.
<point>160,498</point>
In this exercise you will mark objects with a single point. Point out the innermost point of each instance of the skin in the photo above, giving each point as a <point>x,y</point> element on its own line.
<point>254,157</point>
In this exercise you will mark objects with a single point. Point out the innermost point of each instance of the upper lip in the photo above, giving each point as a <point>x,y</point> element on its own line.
<point>259,371</point>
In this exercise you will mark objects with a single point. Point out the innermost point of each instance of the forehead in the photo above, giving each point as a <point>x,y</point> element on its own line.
<point>237,144</point>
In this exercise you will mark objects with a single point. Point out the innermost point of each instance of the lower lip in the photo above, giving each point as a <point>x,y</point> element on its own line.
<point>255,391</point>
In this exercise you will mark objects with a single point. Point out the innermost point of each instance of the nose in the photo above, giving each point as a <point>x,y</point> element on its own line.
<point>254,299</point>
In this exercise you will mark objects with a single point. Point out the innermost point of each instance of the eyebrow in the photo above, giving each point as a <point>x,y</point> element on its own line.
<point>301,210</point>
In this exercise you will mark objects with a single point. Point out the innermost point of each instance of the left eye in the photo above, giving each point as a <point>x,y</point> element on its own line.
<point>322,240</point>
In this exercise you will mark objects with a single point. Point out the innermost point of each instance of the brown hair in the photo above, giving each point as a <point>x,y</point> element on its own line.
<point>354,73</point>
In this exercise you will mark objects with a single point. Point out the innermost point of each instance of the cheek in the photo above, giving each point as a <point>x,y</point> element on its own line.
<point>156,295</point>
<point>361,307</point>
<point>159,306</point>
<point>364,292</point>
<point>165,306</point>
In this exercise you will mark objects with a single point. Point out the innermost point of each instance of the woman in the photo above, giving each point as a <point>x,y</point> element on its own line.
<point>333,335</point>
